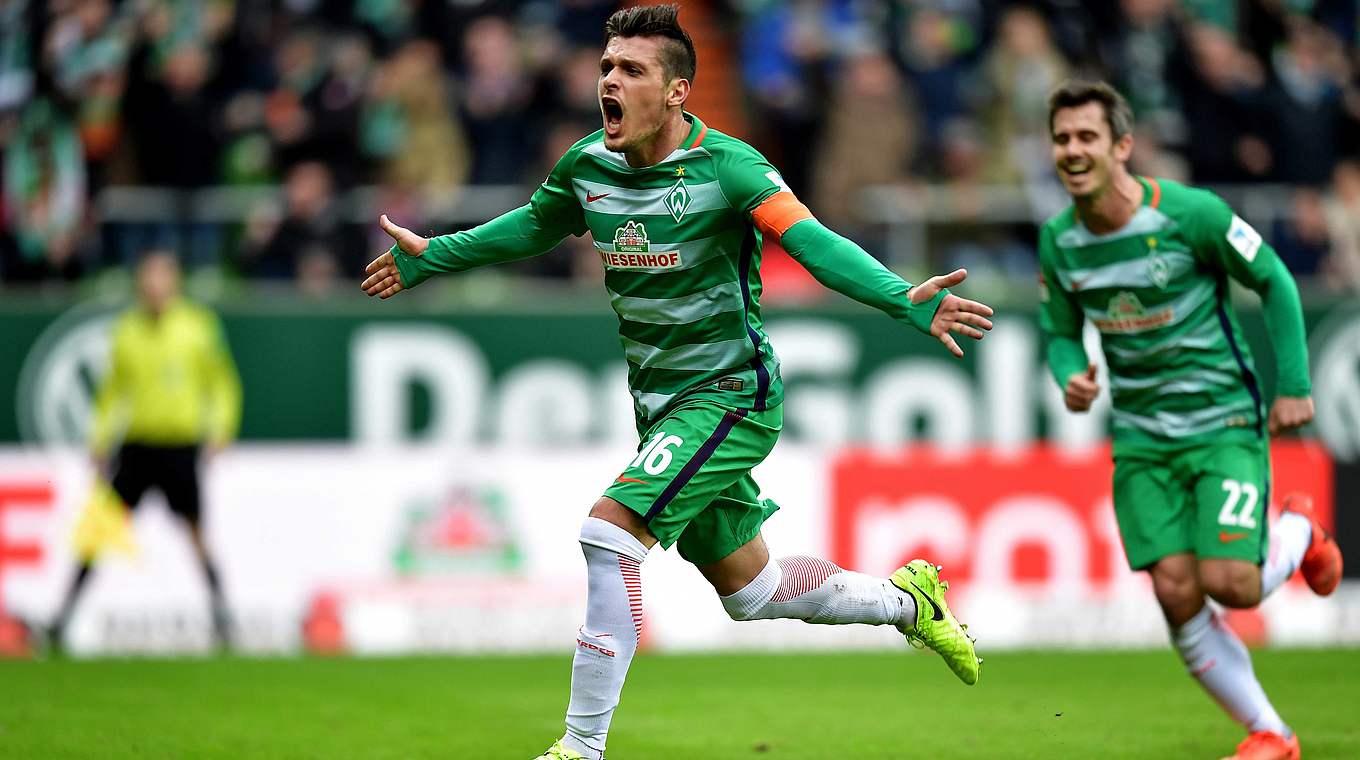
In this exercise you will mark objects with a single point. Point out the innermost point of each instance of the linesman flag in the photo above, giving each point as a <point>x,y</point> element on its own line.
<point>105,524</point>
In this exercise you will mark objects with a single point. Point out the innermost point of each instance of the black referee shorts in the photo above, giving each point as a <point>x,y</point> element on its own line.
<point>172,469</point>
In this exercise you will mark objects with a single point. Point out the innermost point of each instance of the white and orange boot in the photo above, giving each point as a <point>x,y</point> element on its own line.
<point>1322,562</point>
<point>1266,745</point>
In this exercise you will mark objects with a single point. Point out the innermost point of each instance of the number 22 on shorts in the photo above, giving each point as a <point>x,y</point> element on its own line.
<point>656,456</point>
<point>1236,491</point>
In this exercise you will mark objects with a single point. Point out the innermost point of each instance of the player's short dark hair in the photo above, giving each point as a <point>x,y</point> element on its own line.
<point>677,57</point>
<point>1079,92</point>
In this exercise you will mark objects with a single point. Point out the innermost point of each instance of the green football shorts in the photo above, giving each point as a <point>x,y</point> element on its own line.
<point>691,479</point>
<point>1209,500</point>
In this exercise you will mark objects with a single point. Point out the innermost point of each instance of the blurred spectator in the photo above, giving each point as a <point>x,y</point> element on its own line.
<point>171,118</point>
<point>409,125</point>
<point>1019,72</point>
<point>575,258</point>
<point>1154,158</point>
<point>577,88</point>
<point>869,139</point>
<point>412,100</point>
<point>87,50</point>
<point>495,102</point>
<point>1223,91</point>
<point>16,54</point>
<point>1218,13</point>
<point>580,21</point>
<point>986,250</point>
<point>44,196</point>
<point>310,230</point>
<point>934,42</point>
<point>1142,51</point>
<point>786,48</point>
<point>289,115</point>
<point>1342,209</point>
<point>1304,101</point>
<point>1302,237</point>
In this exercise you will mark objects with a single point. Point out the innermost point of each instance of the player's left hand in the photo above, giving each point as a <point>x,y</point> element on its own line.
<point>955,315</point>
<point>1289,413</point>
<point>384,279</point>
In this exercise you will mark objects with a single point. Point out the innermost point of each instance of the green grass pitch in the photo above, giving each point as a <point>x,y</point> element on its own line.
<point>879,705</point>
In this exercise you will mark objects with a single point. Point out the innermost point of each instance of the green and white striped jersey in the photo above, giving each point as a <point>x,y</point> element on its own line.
<point>680,242</point>
<point>1157,290</point>
<point>682,264</point>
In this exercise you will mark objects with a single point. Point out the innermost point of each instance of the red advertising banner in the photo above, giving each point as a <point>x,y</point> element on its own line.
<point>1039,521</point>
<point>15,554</point>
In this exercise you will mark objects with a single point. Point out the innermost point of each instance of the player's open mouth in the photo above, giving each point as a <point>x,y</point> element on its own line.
<point>1076,170</point>
<point>613,115</point>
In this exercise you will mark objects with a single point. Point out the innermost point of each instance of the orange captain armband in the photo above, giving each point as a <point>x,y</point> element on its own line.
<point>777,213</point>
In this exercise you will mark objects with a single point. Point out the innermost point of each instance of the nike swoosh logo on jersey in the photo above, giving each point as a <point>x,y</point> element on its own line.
<point>936,612</point>
<point>1228,538</point>
<point>592,198</point>
<point>622,479</point>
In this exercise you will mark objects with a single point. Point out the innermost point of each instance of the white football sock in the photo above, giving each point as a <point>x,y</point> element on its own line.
<point>1289,540</point>
<point>1220,662</point>
<point>811,589</point>
<point>606,643</point>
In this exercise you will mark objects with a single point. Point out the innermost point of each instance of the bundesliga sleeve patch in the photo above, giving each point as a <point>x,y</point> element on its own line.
<point>1242,237</point>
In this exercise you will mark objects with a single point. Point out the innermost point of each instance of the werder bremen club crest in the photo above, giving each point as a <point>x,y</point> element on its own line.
<point>1158,270</point>
<point>677,200</point>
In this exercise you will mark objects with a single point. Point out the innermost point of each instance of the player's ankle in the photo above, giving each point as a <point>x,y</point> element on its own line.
<point>575,744</point>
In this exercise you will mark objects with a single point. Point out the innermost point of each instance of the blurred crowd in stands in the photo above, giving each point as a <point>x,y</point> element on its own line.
<point>333,109</point>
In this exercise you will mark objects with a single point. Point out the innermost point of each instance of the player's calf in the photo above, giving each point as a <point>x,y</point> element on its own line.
<point>606,643</point>
<point>817,591</point>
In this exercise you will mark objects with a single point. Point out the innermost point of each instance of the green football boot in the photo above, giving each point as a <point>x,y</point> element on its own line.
<point>936,626</point>
<point>558,752</point>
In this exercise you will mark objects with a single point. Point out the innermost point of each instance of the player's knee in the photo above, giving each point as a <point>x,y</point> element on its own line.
<point>1232,584</point>
<point>1176,589</point>
<point>603,534</point>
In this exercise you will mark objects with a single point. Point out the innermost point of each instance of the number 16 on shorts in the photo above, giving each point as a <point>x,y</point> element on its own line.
<point>656,456</point>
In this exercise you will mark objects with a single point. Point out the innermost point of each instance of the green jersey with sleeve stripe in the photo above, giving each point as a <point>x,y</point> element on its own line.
<point>680,241</point>
<point>681,265</point>
<point>1181,374</point>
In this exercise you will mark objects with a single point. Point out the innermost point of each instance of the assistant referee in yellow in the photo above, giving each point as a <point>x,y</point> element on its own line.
<point>171,396</point>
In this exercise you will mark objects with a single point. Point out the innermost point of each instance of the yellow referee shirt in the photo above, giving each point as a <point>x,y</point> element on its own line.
<point>171,381</point>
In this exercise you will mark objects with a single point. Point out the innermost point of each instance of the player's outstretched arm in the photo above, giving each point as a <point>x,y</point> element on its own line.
<point>841,265</point>
<point>954,314</point>
<point>384,279</point>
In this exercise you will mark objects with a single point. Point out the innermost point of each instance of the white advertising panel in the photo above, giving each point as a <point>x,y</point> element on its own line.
<point>388,550</point>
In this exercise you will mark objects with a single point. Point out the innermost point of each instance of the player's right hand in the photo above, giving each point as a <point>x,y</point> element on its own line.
<point>384,279</point>
<point>1081,389</point>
